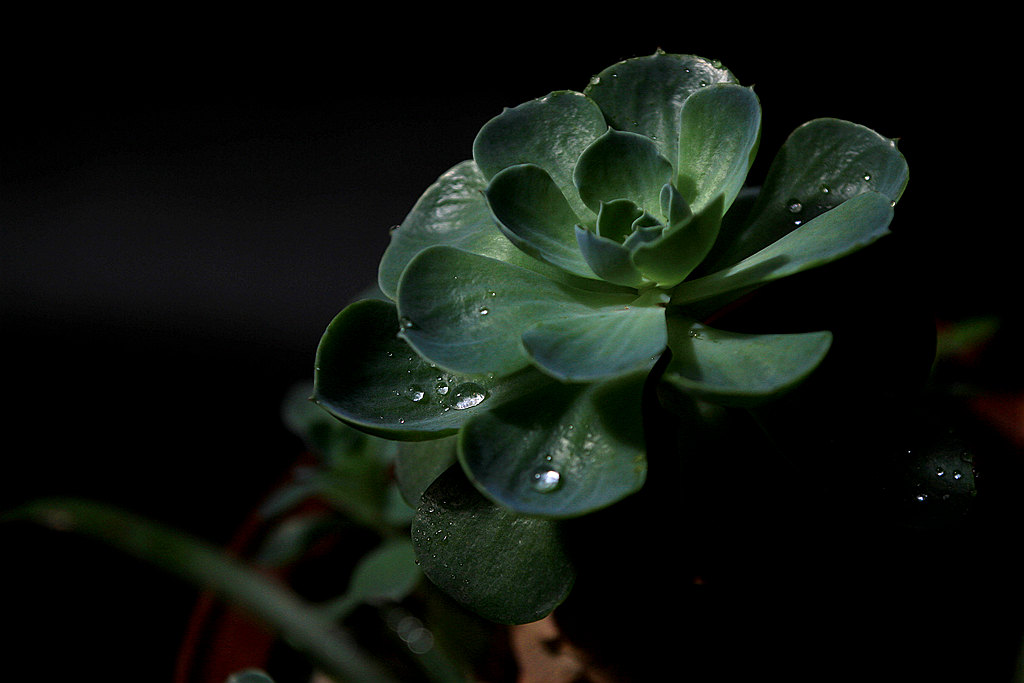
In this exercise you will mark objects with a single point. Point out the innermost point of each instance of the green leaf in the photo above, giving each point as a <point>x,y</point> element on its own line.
<point>670,258</point>
<point>622,165</point>
<point>719,134</point>
<point>451,211</point>
<point>610,260</point>
<point>729,368</point>
<point>597,345</point>
<point>419,463</point>
<point>506,567</point>
<point>839,232</point>
<point>823,163</point>
<point>562,451</point>
<point>388,573</point>
<point>369,377</point>
<point>550,132</point>
<point>467,313</point>
<point>645,95</point>
<point>534,214</point>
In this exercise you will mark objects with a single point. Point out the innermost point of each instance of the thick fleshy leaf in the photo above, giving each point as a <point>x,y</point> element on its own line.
<point>729,368</point>
<point>601,344</point>
<point>535,216</point>
<point>419,463</point>
<point>368,377</point>
<point>645,95</point>
<point>622,165</point>
<point>823,163</point>
<point>669,259</point>
<point>467,313</point>
<point>841,231</point>
<point>451,211</point>
<point>561,451</point>
<point>550,132</point>
<point>506,567</point>
<point>611,260</point>
<point>719,133</point>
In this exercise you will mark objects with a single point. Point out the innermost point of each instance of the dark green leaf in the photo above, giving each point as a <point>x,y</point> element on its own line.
<point>534,214</point>
<point>369,377</point>
<point>739,369</point>
<point>824,163</point>
<point>452,211</point>
<point>622,165</point>
<point>645,95</point>
<point>598,345</point>
<point>467,313</point>
<point>550,132</point>
<point>561,451</point>
<point>839,232</point>
<point>506,567</point>
<point>719,133</point>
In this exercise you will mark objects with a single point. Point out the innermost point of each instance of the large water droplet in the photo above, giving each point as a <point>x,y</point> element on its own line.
<point>415,394</point>
<point>467,395</point>
<point>546,480</point>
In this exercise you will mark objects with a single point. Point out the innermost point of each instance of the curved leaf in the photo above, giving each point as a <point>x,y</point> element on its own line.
<point>841,231</point>
<point>506,567</point>
<point>719,133</point>
<point>610,260</point>
<point>550,132</point>
<point>669,259</point>
<point>729,368</point>
<point>822,164</point>
<point>597,345</point>
<point>368,377</point>
<point>645,95</point>
<point>467,313</point>
<point>451,211</point>
<point>562,451</point>
<point>534,214</point>
<point>622,165</point>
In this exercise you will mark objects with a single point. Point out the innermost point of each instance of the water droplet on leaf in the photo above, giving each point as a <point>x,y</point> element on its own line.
<point>546,480</point>
<point>467,395</point>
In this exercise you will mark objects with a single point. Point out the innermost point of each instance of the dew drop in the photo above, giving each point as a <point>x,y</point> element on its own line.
<point>467,395</point>
<point>794,206</point>
<point>404,323</point>
<point>957,475</point>
<point>867,176</point>
<point>415,394</point>
<point>940,472</point>
<point>484,310</point>
<point>546,480</point>
<point>825,189</point>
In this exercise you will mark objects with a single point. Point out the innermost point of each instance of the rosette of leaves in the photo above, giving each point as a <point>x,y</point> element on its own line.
<point>536,290</point>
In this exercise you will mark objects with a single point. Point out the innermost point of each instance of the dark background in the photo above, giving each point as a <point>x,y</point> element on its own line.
<point>183,211</point>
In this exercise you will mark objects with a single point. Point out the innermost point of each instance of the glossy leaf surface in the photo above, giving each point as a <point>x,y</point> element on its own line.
<point>561,451</point>
<point>369,377</point>
<point>822,164</point>
<point>739,369</point>
<point>468,313</point>
<point>507,567</point>
<point>832,235</point>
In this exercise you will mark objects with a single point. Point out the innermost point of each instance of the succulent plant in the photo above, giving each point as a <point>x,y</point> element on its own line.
<point>537,294</point>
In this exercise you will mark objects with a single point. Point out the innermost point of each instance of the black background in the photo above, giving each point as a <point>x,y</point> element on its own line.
<point>184,210</point>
